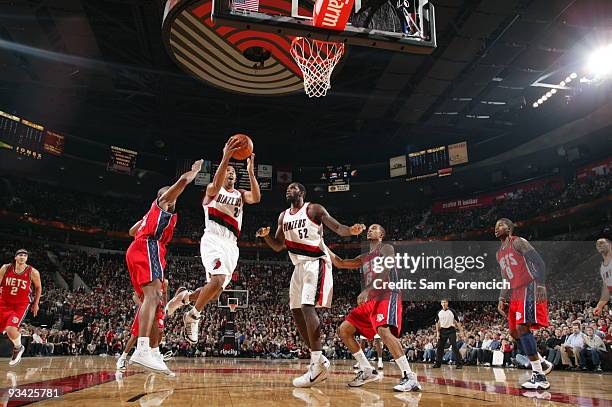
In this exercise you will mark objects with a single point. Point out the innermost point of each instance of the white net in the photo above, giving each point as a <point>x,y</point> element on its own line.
<point>317,60</point>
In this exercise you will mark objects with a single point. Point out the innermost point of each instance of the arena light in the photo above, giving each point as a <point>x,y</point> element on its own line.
<point>548,94</point>
<point>600,61</point>
<point>535,104</point>
<point>573,75</point>
<point>553,91</point>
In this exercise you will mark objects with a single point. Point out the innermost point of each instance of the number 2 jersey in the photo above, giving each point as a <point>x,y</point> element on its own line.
<point>223,214</point>
<point>303,236</point>
<point>16,288</point>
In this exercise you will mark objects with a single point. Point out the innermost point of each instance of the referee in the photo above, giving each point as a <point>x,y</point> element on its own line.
<point>447,323</point>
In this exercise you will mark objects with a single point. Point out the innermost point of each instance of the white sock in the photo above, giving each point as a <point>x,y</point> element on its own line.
<point>124,355</point>
<point>379,360</point>
<point>143,343</point>
<point>194,312</point>
<point>403,365</point>
<point>536,366</point>
<point>17,341</point>
<point>362,360</point>
<point>541,358</point>
<point>315,357</point>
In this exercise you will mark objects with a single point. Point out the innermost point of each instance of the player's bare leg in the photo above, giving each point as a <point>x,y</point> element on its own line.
<point>300,323</point>
<point>366,372</point>
<point>211,290</point>
<point>122,361</point>
<point>319,365</point>
<point>146,318</point>
<point>379,352</point>
<point>15,337</point>
<point>409,381</point>
<point>530,347</point>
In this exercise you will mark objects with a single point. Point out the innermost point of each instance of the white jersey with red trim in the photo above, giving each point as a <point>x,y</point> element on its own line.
<point>606,274</point>
<point>303,236</point>
<point>223,214</point>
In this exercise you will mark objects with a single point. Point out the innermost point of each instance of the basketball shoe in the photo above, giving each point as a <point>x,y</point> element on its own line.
<point>316,373</point>
<point>16,358</point>
<point>363,377</point>
<point>146,359</point>
<point>547,367</point>
<point>181,298</point>
<point>121,364</point>
<point>408,382</point>
<point>157,355</point>
<point>537,382</point>
<point>191,321</point>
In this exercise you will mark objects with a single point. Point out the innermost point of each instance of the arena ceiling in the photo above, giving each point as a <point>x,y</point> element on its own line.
<point>98,71</point>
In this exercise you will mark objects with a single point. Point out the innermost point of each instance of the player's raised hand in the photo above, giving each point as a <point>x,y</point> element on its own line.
<point>251,164</point>
<point>197,166</point>
<point>263,232</point>
<point>233,144</point>
<point>357,228</point>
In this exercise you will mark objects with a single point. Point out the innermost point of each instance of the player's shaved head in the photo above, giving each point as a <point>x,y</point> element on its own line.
<point>507,222</point>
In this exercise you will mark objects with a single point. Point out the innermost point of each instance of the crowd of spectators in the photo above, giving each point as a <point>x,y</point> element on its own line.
<point>403,223</point>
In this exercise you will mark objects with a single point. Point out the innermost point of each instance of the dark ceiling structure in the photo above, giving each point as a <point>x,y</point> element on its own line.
<point>98,71</point>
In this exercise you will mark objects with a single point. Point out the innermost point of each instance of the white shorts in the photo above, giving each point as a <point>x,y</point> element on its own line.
<point>219,256</point>
<point>312,283</point>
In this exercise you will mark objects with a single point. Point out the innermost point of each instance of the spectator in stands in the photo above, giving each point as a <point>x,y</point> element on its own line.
<point>572,346</point>
<point>594,348</point>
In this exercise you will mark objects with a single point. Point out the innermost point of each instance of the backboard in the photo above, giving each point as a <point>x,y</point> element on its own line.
<point>398,25</point>
<point>240,297</point>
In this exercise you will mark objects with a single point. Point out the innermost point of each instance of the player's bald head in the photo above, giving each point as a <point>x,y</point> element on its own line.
<point>508,223</point>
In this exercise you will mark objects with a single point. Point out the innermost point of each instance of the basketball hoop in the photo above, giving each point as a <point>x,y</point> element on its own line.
<point>317,60</point>
<point>232,307</point>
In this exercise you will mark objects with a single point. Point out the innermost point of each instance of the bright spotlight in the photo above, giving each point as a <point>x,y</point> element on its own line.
<point>548,94</point>
<point>535,104</point>
<point>568,79</point>
<point>553,91</point>
<point>562,83</point>
<point>573,75</point>
<point>544,98</point>
<point>540,101</point>
<point>600,61</point>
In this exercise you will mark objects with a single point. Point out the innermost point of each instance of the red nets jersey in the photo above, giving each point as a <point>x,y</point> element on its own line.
<point>157,224</point>
<point>513,265</point>
<point>16,287</point>
<point>368,270</point>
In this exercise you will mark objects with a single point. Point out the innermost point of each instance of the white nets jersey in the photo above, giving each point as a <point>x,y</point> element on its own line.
<point>303,236</point>
<point>606,275</point>
<point>223,214</point>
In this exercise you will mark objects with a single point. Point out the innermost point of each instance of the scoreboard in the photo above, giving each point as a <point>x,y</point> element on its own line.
<point>122,160</point>
<point>28,139</point>
<point>432,162</point>
<point>338,178</point>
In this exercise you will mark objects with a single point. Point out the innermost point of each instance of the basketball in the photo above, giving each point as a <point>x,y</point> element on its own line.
<point>247,147</point>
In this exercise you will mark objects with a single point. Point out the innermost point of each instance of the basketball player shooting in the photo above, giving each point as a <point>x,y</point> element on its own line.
<point>223,210</point>
<point>604,247</point>
<point>16,280</point>
<point>146,261</point>
<point>378,311</point>
<point>524,268</point>
<point>300,231</point>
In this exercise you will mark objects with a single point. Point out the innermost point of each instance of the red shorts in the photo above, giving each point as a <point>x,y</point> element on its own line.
<point>146,261</point>
<point>367,317</point>
<point>159,317</point>
<point>12,314</point>
<point>526,309</point>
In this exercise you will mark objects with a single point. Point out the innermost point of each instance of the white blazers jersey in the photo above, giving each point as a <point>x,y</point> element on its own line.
<point>606,275</point>
<point>223,214</point>
<point>303,237</point>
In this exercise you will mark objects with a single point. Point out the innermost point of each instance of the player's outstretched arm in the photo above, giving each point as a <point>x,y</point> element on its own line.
<point>254,195</point>
<point>172,194</point>
<point>232,145</point>
<point>320,214</point>
<point>345,263</point>
<point>276,243</point>
<point>35,276</point>
<point>533,258</point>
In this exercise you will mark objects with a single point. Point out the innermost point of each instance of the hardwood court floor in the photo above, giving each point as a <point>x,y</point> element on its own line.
<point>91,381</point>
